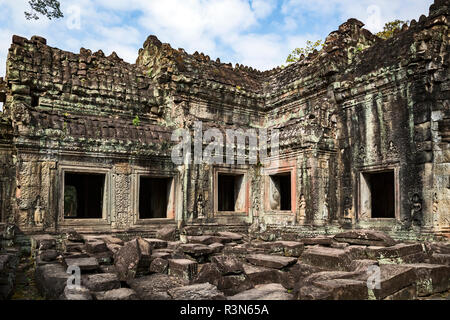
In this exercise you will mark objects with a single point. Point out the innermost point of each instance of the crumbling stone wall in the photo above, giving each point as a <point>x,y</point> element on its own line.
<point>360,104</point>
<point>387,111</point>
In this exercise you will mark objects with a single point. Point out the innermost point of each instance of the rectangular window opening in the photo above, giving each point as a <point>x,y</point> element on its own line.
<point>231,193</point>
<point>83,195</point>
<point>280,191</point>
<point>382,194</point>
<point>154,195</point>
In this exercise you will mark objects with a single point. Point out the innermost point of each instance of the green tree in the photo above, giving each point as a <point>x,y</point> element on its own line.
<point>48,8</point>
<point>297,53</point>
<point>390,28</point>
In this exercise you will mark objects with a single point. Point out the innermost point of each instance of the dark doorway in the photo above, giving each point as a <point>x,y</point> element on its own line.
<point>83,195</point>
<point>153,197</point>
<point>229,187</point>
<point>383,194</point>
<point>282,184</point>
<point>226,192</point>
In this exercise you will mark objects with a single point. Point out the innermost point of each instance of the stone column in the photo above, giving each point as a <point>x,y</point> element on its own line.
<point>122,216</point>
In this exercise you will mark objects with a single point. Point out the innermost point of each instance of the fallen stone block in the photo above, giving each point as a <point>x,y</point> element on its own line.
<point>439,258</point>
<point>42,242</point>
<point>159,265</point>
<point>307,289</point>
<point>156,243</point>
<point>48,255</point>
<point>102,282</point>
<point>161,255</point>
<point>339,245</point>
<point>392,278</point>
<point>96,246</point>
<point>85,264</point>
<point>231,244</point>
<point>167,233</point>
<point>163,250</point>
<point>155,286</point>
<point>236,237</point>
<point>206,240</point>
<point>174,244</point>
<point>216,247</point>
<point>103,258</point>
<point>344,289</point>
<point>208,273</point>
<point>75,255</point>
<point>292,248</point>
<point>39,262</point>
<point>196,249</point>
<point>357,252</point>
<point>234,283</point>
<point>440,247</point>
<point>114,248</point>
<point>70,246</point>
<point>74,236</point>
<point>117,294</point>
<point>238,251</point>
<point>77,293</point>
<point>228,265</point>
<point>183,268</point>
<point>419,257</point>
<point>108,269</point>
<point>112,240</point>
<point>261,275</point>
<point>270,235</point>
<point>362,265</point>
<point>408,293</point>
<point>295,274</point>
<point>319,240</point>
<point>365,237</point>
<point>275,247</point>
<point>201,291</point>
<point>327,258</point>
<point>394,254</point>
<point>312,292</point>
<point>51,280</point>
<point>89,237</point>
<point>133,257</point>
<point>331,275</point>
<point>271,291</point>
<point>431,278</point>
<point>270,261</point>
<point>287,248</point>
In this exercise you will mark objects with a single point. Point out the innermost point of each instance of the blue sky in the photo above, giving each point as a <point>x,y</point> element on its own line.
<point>257,33</point>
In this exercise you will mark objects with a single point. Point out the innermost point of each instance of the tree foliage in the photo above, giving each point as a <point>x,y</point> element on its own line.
<point>297,53</point>
<point>390,28</point>
<point>48,8</point>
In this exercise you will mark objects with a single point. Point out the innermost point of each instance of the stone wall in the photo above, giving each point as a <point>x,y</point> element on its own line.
<point>360,105</point>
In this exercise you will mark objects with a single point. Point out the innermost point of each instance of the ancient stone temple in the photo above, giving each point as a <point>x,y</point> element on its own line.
<point>85,139</point>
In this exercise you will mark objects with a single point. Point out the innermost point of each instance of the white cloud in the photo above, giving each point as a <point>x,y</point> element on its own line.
<point>374,13</point>
<point>260,51</point>
<point>263,8</point>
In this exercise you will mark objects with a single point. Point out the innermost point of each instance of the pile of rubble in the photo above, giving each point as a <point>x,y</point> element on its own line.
<point>8,265</point>
<point>225,265</point>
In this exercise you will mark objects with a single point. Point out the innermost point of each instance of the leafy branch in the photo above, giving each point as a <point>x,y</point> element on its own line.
<point>48,8</point>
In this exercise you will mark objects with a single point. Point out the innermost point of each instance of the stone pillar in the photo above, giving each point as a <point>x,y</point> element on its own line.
<point>122,216</point>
